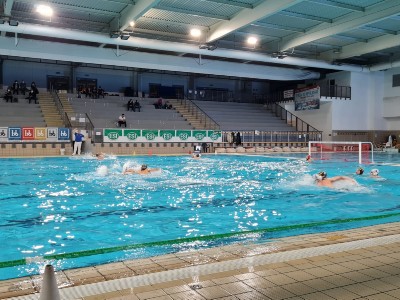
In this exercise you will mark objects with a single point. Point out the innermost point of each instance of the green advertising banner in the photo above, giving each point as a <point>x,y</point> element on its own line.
<point>184,135</point>
<point>132,134</point>
<point>214,135</point>
<point>167,134</point>
<point>113,134</point>
<point>199,134</point>
<point>149,135</point>
<point>160,136</point>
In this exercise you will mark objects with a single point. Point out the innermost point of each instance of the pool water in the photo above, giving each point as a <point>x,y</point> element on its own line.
<point>66,206</point>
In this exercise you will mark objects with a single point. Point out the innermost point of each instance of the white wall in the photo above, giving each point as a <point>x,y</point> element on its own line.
<point>320,119</point>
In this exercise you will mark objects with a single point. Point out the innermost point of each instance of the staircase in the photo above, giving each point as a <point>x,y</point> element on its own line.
<point>50,111</point>
<point>66,105</point>
<point>193,114</point>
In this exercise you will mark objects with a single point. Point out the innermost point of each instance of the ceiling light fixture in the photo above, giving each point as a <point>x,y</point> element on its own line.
<point>125,36</point>
<point>131,23</point>
<point>195,32</point>
<point>252,40</point>
<point>44,10</point>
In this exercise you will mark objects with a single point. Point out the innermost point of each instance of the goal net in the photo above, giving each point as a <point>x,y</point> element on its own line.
<point>363,152</point>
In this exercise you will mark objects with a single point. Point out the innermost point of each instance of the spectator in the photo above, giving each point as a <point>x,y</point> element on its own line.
<point>15,87</point>
<point>167,105</point>
<point>238,139</point>
<point>100,92</point>
<point>32,96</point>
<point>8,95</point>
<point>122,120</point>
<point>130,105</point>
<point>204,147</point>
<point>22,87</point>
<point>158,104</point>
<point>136,106</point>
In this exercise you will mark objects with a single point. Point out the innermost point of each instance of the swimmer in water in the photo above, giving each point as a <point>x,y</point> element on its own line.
<point>374,173</point>
<point>99,156</point>
<point>196,155</point>
<point>308,158</point>
<point>359,171</point>
<point>144,170</point>
<point>321,179</point>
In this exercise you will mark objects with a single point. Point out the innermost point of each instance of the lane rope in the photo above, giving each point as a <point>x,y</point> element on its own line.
<point>78,254</point>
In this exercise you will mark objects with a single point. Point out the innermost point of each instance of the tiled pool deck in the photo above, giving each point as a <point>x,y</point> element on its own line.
<point>353,264</point>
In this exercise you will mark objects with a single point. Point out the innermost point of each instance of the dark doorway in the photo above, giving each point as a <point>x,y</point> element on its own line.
<point>58,83</point>
<point>86,83</point>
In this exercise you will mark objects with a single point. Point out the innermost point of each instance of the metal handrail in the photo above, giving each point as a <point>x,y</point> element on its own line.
<point>60,108</point>
<point>290,118</point>
<point>197,112</point>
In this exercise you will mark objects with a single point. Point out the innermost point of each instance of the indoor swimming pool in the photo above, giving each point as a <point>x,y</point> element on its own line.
<point>80,211</point>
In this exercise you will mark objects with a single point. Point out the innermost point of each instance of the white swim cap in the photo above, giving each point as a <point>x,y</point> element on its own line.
<point>374,172</point>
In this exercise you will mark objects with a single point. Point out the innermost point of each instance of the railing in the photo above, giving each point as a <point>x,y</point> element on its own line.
<point>199,114</point>
<point>60,108</point>
<point>274,137</point>
<point>290,118</point>
<point>81,121</point>
<point>335,91</point>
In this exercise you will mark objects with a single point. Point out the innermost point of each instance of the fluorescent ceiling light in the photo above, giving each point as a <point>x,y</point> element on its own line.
<point>195,32</point>
<point>252,40</point>
<point>44,10</point>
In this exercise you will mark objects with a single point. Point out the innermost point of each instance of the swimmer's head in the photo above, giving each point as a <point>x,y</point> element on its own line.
<point>143,167</point>
<point>374,172</point>
<point>320,176</point>
<point>360,171</point>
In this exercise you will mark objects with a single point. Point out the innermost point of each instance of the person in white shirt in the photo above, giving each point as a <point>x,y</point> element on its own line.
<point>122,120</point>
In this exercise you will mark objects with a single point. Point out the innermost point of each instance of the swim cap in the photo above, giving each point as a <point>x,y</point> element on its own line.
<point>360,170</point>
<point>374,172</point>
<point>322,174</point>
<point>144,167</point>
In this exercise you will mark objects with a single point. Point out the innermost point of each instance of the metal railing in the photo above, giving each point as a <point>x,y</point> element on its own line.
<point>199,114</point>
<point>274,137</point>
<point>60,109</point>
<point>81,121</point>
<point>290,118</point>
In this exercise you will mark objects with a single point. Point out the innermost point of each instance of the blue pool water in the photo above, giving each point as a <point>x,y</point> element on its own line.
<point>52,206</point>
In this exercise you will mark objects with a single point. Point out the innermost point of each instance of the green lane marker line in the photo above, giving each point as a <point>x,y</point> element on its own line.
<point>25,261</point>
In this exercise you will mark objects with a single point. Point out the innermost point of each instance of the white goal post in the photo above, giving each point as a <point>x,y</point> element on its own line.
<point>343,147</point>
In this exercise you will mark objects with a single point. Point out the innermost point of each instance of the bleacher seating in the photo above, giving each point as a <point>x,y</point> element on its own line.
<point>21,113</point>
<point>104,113</point>
<point>243,116</point>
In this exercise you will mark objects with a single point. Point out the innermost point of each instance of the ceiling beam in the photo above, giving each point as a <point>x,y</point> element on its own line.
<point>376,44</point>
<point>247,16</point>
<point>192,13</point>
<point>231,3</point>
<point>8,6</point>
<point>350,21</point>
<point>351,38</point>
<point>338,4</point>
<point>132,13</point>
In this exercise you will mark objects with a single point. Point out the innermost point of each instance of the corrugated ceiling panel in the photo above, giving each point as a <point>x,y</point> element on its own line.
<point>360,3</point>
<point>283,20</point>
<point>390,24</point>
<point>318,10</point>
<point>199,7</point>
<point>335,41</point>
<point>179,18</point>
<point>162,27</point>
<point>254,30</point>
<point>363,33</point>
<point>111,6</point>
